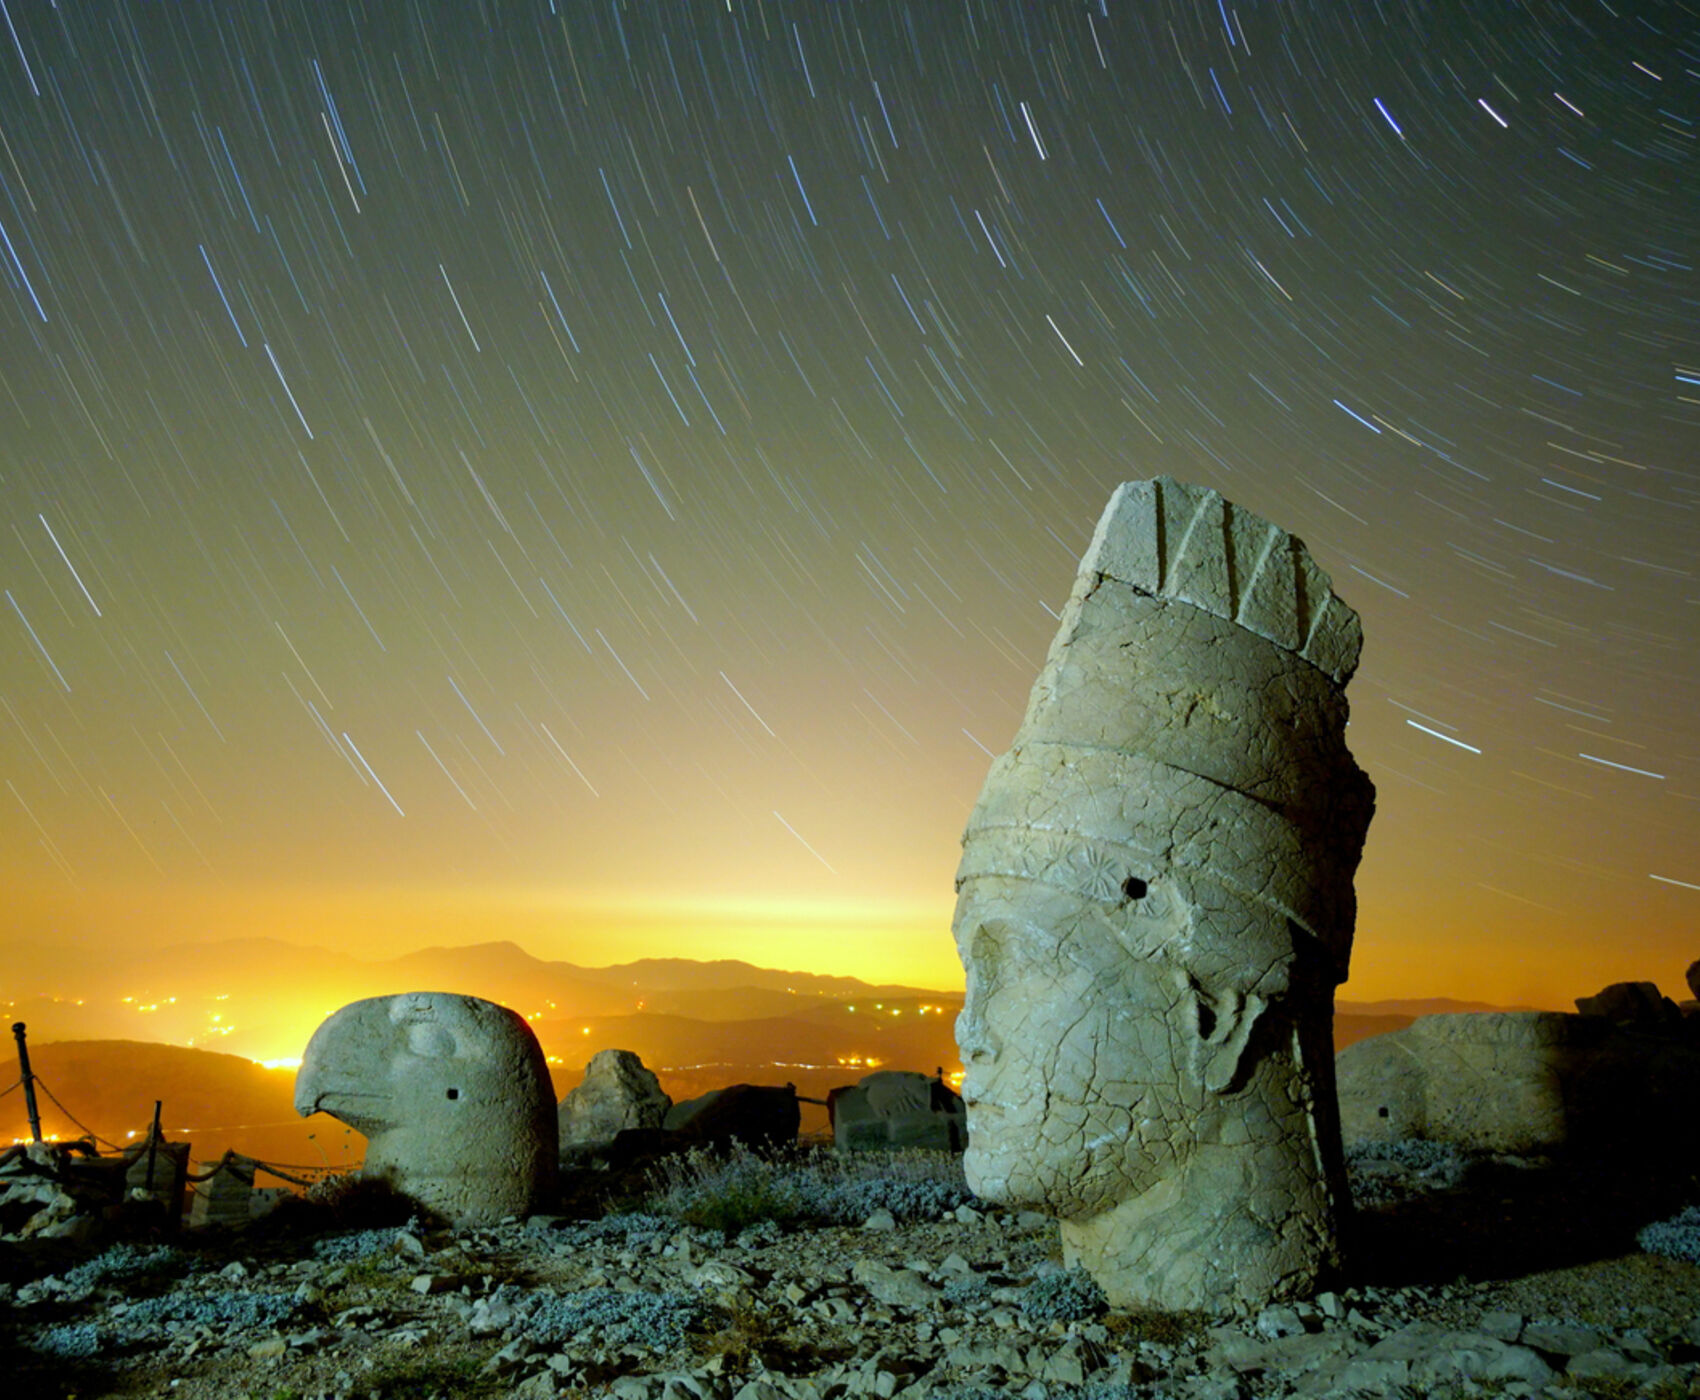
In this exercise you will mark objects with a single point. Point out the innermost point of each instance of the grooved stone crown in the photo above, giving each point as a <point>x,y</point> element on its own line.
<point>1185,542</point>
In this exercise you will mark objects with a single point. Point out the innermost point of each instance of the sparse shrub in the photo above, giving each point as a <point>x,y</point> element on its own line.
<point>431,1376</point>
<point>1676,1238</point>
<point>1429,1166</point>
<point>228,1309</point>
<point>125,1262</point>
<point>1167,1329</point>
<point>356,1202</point>
<point>1612,1387</point>
<point>741,1190</point>
<point>760,1235</point>
<point>729,1192</point>
<point>850,1202</point>
<point>77,1341</point>
<point>968,1288</point>
<point>1070,1295</point>
<point>351,1246</point>
<point>655,1320</point>
<point>631,1228</point>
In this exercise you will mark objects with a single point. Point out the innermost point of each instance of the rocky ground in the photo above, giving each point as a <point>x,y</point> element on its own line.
<point>1488,1278</point>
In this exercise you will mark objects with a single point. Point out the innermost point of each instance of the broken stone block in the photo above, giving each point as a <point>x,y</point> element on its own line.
<point>617,1093</point>
<point>1636,1004</point>
<point>1154,906</point>
<point>223,1199</point>
<point>452,1094</point>
<point>757,1115</point>
<point>1524,1082</point>
<point>894,1108</point>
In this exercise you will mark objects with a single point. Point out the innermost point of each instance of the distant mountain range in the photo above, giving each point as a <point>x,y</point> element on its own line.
<point>109,1038</point>
<point>263,997</point>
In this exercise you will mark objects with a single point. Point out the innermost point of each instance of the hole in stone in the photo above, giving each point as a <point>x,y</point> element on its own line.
<point>1206,1021</point>
<point>1134,888</point>
<point>454,1093</point>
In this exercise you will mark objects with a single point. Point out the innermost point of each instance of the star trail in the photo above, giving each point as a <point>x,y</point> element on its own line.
<point>602,474</point>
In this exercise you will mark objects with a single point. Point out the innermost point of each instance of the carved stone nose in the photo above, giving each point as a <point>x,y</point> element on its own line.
<point>974,1038</point>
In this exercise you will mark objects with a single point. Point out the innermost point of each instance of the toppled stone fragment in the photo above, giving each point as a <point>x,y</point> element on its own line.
<point>452,1093</point>
<point>617,1093</point>
<point>753,1114</point>
<point>1633,1004</point>
<point>1155,904</point>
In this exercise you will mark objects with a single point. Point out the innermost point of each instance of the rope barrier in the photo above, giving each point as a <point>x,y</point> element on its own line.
<point>285,1176</point>
<point>18,1085</point>
<point>73,1117</point>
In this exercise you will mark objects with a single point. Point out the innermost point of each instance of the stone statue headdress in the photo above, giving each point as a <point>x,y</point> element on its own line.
<point>1171,752</point>
<point>1155,904</point>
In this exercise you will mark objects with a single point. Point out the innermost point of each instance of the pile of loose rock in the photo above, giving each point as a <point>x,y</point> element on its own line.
<point>640,1307</point>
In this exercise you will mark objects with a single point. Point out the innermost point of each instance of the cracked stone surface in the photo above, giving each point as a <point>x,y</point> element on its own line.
<point>1155,905</point>
<point>452,1094</point>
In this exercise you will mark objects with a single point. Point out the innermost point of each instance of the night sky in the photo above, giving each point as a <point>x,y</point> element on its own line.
<point>602,474</point>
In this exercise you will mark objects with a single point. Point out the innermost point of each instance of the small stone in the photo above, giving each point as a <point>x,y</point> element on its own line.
<point>1330,1306</point>
<point>235,1271</point>
<point>1603,1364</point>
<point>1065,1366</point>
<point>268,1349</point>
<point>719,1274</point>
<point>967,1215</point>
<point>1502,1326</point>
<point>1562,1338</point>
<point>408,1245</point>
<point>881,1220</point>
<point>1279,1320</point>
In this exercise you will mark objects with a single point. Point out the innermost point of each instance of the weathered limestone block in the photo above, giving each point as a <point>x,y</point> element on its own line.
<point>618,1092</point>
<point>1489,1080</point>
<point>225,1198</point>
<point>897,1108</point>
<point>1155,904</point>
<point>452,1094</point>
<point>1523,1081</point>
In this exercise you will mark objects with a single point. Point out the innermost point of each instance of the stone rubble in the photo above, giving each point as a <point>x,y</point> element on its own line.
<point>642,1308</point>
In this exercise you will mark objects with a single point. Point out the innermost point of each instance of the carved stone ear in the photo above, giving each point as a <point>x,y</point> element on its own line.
<point>1222,1026</point>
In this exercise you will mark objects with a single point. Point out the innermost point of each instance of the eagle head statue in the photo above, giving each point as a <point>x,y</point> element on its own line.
<point>452,1094</point>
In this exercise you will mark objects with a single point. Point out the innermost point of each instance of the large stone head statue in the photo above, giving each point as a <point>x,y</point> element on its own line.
<point>1154,907</point>
<point>452,1094</point>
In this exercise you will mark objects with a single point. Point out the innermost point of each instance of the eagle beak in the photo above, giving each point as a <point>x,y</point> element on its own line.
<point>337,1074</point>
